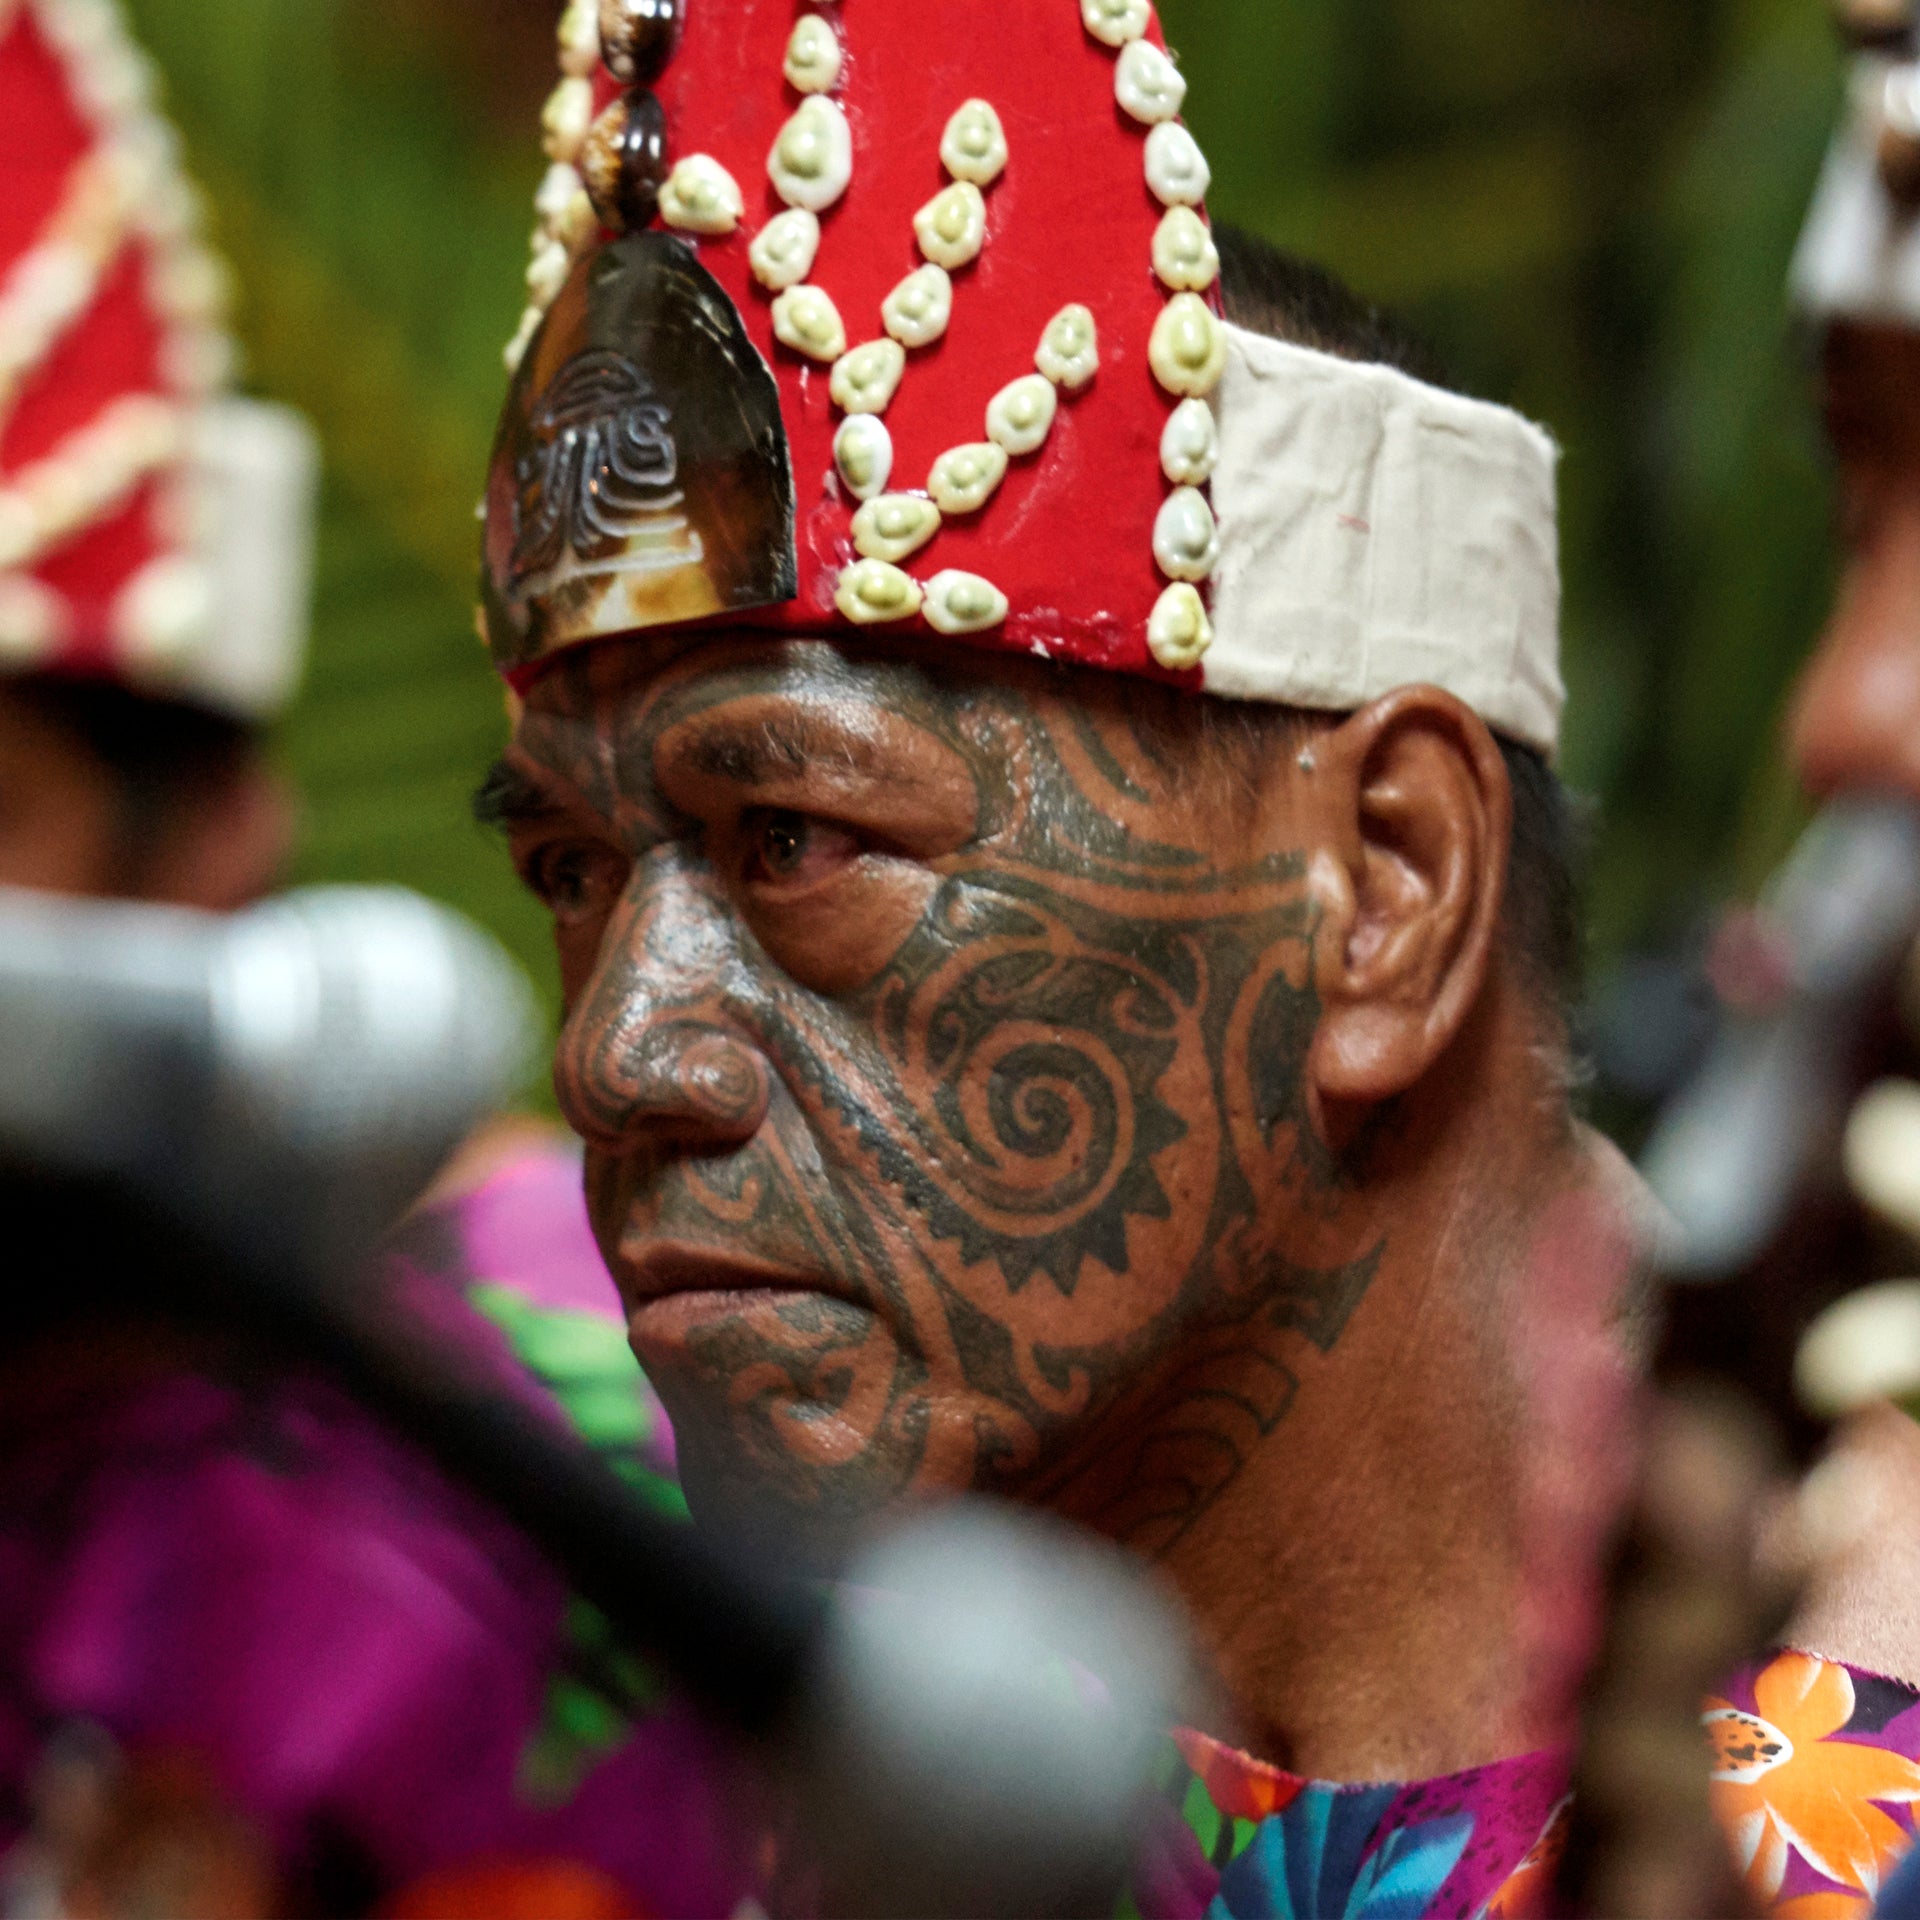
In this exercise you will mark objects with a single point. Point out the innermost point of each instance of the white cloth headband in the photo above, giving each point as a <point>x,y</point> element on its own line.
<point>1377,533</point>
<point>1859,256</point>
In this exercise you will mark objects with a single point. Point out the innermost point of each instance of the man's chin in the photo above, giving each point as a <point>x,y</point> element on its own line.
<point>755,1498</point>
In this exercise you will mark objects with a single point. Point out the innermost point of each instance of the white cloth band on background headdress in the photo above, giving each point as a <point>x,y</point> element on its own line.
<point>1859,256</point>
<point>1377,532</point>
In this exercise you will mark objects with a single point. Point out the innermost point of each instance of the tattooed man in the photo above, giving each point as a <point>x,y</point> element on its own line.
<point>1039,1027</point>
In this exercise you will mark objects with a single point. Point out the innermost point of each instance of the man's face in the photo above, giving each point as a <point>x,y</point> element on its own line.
<point>1856,719</point>
<point>59,812</point>
<point>940,1057</point>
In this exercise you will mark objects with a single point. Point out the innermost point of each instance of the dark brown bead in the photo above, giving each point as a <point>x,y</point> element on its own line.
<point>637,37</point>
<point>624,161</point>
<point>1900,165</point>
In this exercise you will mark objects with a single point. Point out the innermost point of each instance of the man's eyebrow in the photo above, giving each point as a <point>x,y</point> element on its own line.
<point>509,798</point>
<point>750,752</point>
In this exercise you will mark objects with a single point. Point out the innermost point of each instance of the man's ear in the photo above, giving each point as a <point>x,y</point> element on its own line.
<point>1414,816</point>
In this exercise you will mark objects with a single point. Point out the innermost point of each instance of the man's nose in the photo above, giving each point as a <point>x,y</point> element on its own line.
<point>654,1053</point>
<point>1856,716</point>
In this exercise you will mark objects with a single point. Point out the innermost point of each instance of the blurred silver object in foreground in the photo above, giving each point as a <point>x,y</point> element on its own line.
<point>354,1033</point>
<point>990,1694</point>
<point>1729,1158</point>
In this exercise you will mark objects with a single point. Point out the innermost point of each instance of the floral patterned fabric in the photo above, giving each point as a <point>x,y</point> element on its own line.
<point>1816,1784</point>
<point>387,1681</point>
<point>1235,1839</point>
<point>1816,1776</point>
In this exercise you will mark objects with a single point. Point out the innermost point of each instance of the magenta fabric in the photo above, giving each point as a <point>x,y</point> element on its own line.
<point>253,1570</point>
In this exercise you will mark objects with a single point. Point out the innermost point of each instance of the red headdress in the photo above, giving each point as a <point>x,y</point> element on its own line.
<point>152,529</point>
<point>905,318</point>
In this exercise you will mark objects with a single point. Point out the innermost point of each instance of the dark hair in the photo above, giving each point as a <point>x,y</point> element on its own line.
<point>162,756</point>
<point>1275,293</point>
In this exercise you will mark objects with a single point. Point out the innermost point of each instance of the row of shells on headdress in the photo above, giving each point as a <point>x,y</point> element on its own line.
<point>129,187</point>
<point>610,171</point>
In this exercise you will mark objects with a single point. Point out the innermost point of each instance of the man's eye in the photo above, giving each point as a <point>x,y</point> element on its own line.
<point>783,845</point>
<point>576,881</point>
<point>788,849</point>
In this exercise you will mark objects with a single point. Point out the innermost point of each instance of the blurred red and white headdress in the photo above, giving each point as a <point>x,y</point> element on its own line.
<point>1859,256</point>
<point>154,529</point>
<point>901,316</point>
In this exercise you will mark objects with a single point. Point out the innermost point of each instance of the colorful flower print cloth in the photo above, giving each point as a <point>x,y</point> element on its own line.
<point>1816,1782</point>
<point>1816,1776</point>
<point>388,1683</point>
<point>1239,1840</point>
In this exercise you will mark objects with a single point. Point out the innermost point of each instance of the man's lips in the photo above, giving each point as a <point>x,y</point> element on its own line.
<point>670,1287</point>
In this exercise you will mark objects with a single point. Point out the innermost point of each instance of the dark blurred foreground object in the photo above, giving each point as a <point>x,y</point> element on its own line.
<point>1750,1162</point>
<point>207,1123</point>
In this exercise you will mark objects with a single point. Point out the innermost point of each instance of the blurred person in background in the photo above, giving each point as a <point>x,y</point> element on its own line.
<point>1045,798</point>
<point>258,1656</point>
<point>1816,1752</point>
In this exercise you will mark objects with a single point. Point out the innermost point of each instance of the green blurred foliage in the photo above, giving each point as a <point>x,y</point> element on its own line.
<point>1589,210</point>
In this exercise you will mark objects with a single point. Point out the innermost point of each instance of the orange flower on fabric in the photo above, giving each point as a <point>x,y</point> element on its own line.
<point>1781,1785</point>
<point>1242,1787</point>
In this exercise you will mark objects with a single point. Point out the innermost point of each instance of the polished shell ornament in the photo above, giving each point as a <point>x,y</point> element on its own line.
<point>1147,84</point>
<point>1188,351</point>
<point>641,475</point>
<point>1115,23</point>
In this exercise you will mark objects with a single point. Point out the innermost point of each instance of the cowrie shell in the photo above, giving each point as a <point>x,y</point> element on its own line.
<point>952,226</point>
<point>1020,416</point>
<point>872,593</point>
<point>1188,348</point>
<point>1190,446</point>
<point>974,146</point>
<point>547,273</point>
<point>784,250</point>
<point>579,35</point>
<point>1115,22</point>
<point>866,378</point>
<point>895,526</point>
<point>1184,255</point>
<point>963,603</point>
<point>918,310</point>
<point>701,196</point>
<point>863,455</point>
<point>805,319</point>
<point>1070,349</point>
<point>813,56</point>
<point>1177,170</point>
<point>1186,540</point>
<point>565,118</point>
<point>1178,631</point>
<point>1147,84</point>
<point>812,159</point>
<point>964,479</point>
